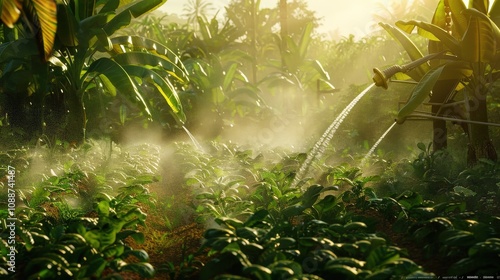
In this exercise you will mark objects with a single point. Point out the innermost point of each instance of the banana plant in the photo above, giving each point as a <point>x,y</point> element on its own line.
<point>469,66</point>
<point>86,57</point>
<point>295,67</point>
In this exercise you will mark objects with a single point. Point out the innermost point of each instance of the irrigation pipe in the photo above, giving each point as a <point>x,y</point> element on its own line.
<point>454,119</point>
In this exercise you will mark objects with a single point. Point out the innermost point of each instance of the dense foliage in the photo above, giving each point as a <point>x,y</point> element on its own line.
<point>92,201</point>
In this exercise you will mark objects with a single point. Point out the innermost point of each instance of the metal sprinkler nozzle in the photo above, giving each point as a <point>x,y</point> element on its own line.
<point>381,76</point>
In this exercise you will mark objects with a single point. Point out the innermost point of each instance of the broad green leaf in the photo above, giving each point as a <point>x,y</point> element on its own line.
<point>123,114</point>
<point>67,26</point>
<point>96,266</point>
<point>90,26</point>
<point>431,32</point>
<point>480,5</point>
<point>17,49</point>
<point>134,9</point>
<point>410,199</point>
<point>84,9</point>
<point>110,6</point>
<point>229,222</point>
<point>466,266</point>
<point>460,21</point>
<point>115,250</point>
<point>410,48</point>
<point>341,271</point>
<point>311,195</point>
<point>111,89</point>
<point>142,58</point>
<point>420,93</point>
<point>247,93</point>
<point>324,74</point>
<point>454,237</point>
<point>217,232</point>
<point>305,39</point>
<point>163,86</point>
<point>352,262</point>
<point>258,271</point>
<point>103,208</point>
<point>256,218</point>
<point>144,269</point>
<point>27,238</point>
<point>117,76</point>
<point>355,227</point>
<point>381,256</point>
<point>11,10</point>
<point>45,12</point>
<point>229,77</point>
<point>204,29</point>
<point>137,43</point>
<point>490,247</point>
<point>481,38</point>
<point>140,254</point>
<point>495,12</point>
<point>381,274</point>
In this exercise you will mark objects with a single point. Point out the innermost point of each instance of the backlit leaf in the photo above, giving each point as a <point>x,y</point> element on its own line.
<point>44,15</point>
<point>11,10</point>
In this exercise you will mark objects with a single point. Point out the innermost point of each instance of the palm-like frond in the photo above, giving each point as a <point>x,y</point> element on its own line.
<point>43,15</point>
<point>42,19</point>
<point>11,10</point>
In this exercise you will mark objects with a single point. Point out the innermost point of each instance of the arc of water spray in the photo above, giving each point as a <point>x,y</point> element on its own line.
<point>320,146</point>
<point>370,152</point>
<point>193,139</point>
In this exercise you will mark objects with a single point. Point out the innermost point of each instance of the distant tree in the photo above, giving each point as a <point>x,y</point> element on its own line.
<point>196,8</point>
<point>299,15</point>
<point>402,9</point>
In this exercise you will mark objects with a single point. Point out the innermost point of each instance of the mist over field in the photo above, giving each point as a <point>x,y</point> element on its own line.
<point>246,139</point>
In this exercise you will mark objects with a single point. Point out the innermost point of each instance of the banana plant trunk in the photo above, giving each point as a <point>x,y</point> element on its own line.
<point>75,125</point>
<point>480,144</point>
<point>440,91</point>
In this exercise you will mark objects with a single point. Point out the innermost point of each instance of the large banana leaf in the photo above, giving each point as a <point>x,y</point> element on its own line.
<point>460,21</point>
<point>452,70</point>
<point>134,9</point>
<point>117,76</point>
<point>45,11</point>
<point>305,39</point>
<point>229,77</point>
<point>22,48</point>
<point>410,48</point>
<point>420,93</point>
<point>142,58</point>
<point>495,13</point>
<point>481,38</point>
<point>67,29</point>
<point>109,6</point>
<point>163,86</point>
<point>204,29</point>
<point>431,32</point>
<point>480,5</point>
<point>199,75</point>
<point>137,43</point>
<point>42,14</point>
<point>11,10</point>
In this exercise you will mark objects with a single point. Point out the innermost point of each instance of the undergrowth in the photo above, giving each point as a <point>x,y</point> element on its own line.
<point>91,213</point>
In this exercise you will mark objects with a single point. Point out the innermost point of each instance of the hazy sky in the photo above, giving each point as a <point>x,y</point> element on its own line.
<point>345,17</point>
<point>341,15</point>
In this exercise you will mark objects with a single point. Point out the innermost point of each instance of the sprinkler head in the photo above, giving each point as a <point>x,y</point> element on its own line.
<point>381,76</point>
